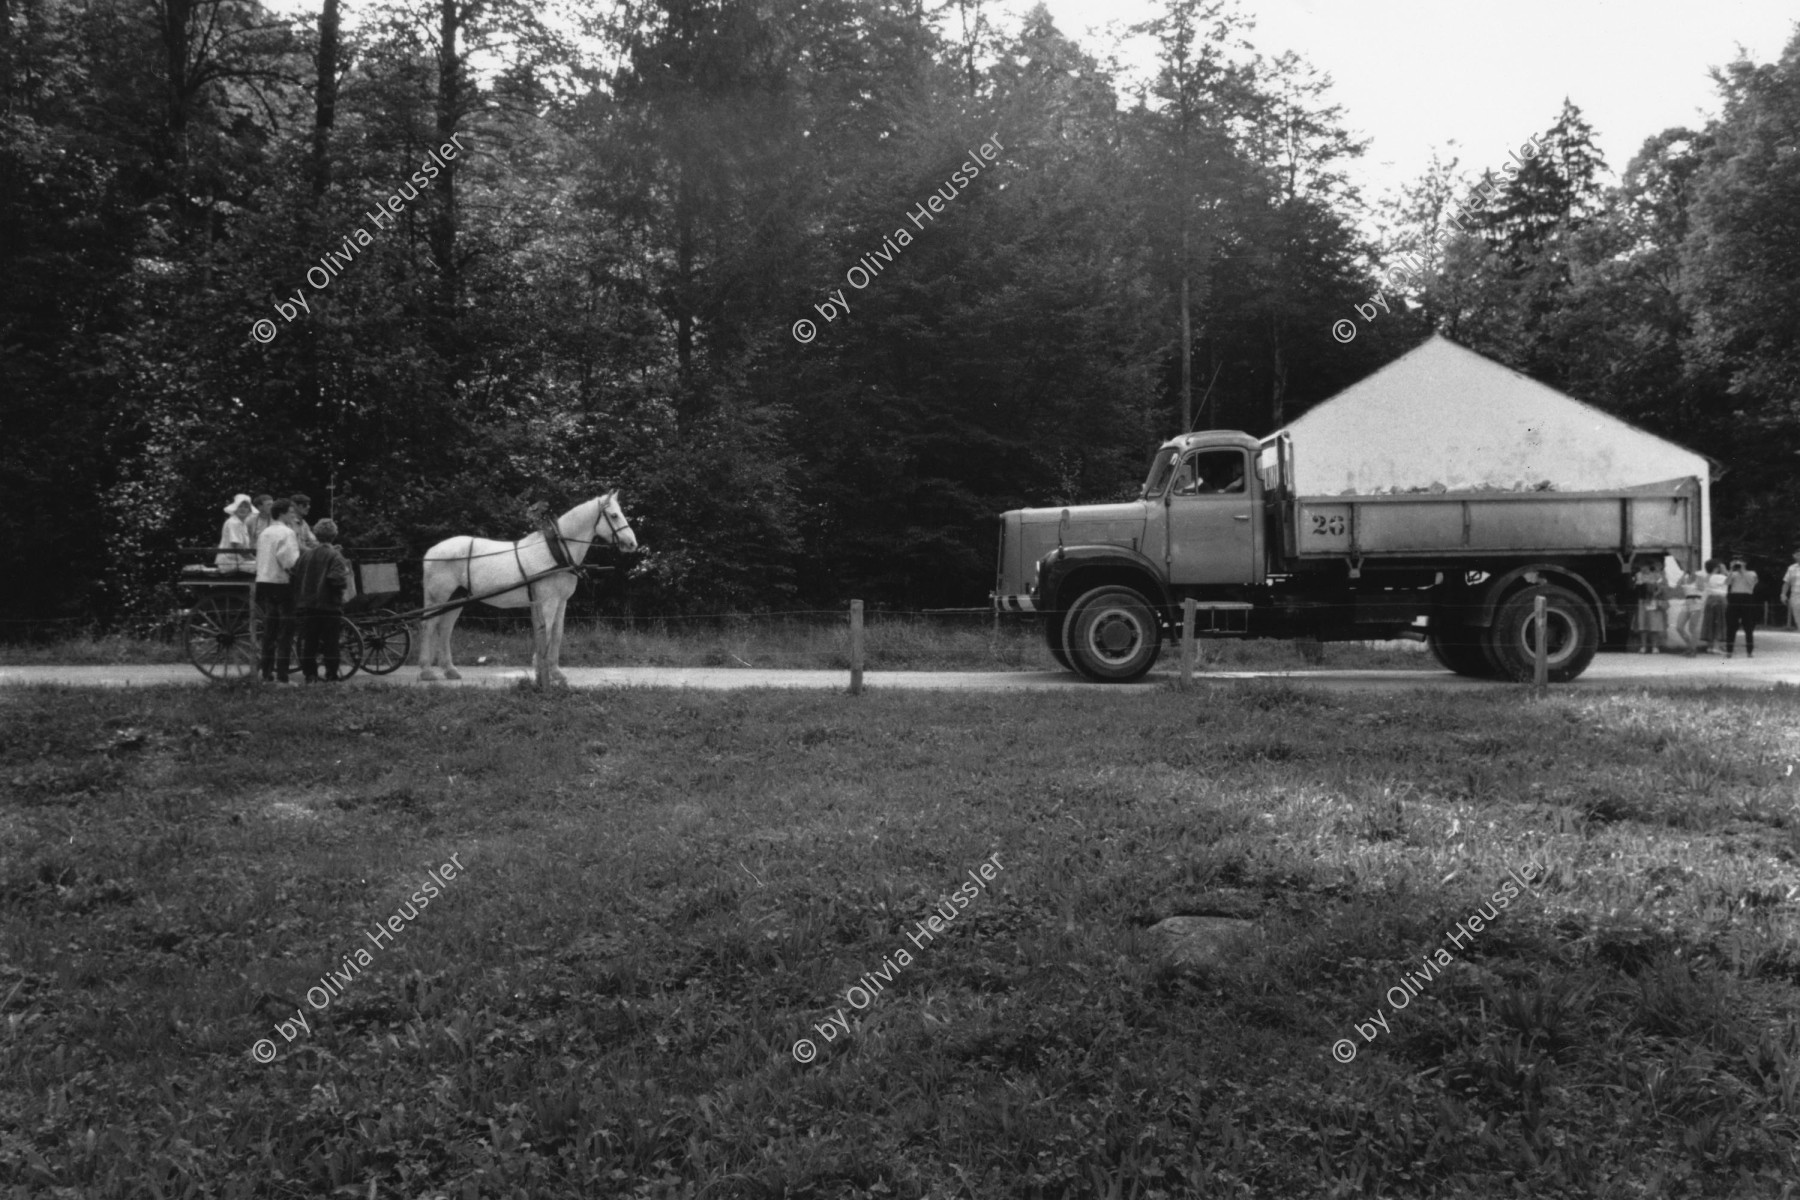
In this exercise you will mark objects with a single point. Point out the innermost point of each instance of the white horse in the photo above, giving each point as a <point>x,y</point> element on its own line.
<point>486,567</point>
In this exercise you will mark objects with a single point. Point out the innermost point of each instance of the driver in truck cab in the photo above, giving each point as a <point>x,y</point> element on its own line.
<point>1210,474</point>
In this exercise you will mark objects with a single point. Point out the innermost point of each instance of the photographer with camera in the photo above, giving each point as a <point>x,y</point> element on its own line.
<point>1740,606</point>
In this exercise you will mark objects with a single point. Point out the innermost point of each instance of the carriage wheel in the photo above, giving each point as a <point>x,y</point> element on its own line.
<point>387,640</point>
<point>220,639</point>
<point>351,648</point>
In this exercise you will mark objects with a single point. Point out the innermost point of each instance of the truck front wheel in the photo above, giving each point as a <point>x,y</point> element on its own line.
<point>1111,635</point>
<point>1574,635</point>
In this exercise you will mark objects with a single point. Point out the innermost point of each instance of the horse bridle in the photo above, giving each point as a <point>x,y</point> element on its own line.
<point>606,514</point>
<point>560,552</point>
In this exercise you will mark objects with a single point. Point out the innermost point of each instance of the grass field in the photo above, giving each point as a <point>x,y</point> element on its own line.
<point>663,891</point>
<point>817,643</point>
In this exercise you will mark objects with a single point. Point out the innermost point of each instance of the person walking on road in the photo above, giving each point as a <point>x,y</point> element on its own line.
<point>1790,591</point>
<point>277,550</point>
<point>1740,609</point>
<point>321,581</point>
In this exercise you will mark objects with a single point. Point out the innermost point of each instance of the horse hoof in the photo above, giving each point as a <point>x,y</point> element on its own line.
<point>452,673</point>
<point>429,675</point>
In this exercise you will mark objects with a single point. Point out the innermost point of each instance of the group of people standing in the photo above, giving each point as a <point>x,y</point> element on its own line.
<point>1725,593</point>
<point>301,581</point>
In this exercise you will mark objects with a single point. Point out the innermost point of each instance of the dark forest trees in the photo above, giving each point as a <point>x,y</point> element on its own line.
<point>604,288</point>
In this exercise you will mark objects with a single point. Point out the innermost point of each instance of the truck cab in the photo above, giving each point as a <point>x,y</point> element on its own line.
<point>1196,529</point>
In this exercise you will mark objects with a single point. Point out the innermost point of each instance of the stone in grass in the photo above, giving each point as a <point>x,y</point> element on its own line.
<point>1203,941</point>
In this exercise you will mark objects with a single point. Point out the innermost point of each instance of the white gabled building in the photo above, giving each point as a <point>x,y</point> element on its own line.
<point>1444,417</point>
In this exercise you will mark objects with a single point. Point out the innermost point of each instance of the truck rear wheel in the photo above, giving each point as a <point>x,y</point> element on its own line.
<point>1053,638</point>
<point>1111,635</point>
<point>1459,649</point>
<point>1574,635</point>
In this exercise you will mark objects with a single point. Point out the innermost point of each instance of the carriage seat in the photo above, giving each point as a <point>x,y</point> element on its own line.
<point>202,571</point>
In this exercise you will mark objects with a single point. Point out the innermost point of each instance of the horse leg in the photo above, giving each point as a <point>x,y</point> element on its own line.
<point>542,663</point>
<point>446,623</point>
<point>553,632</point>
<point>428,668</point>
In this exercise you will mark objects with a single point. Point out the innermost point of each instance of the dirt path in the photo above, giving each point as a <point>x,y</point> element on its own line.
<point>1777,662</point>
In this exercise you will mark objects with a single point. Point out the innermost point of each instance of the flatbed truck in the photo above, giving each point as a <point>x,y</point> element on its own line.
<point>1216,521</point>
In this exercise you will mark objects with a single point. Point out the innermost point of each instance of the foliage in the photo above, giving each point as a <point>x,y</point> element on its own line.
<point>601,289</point>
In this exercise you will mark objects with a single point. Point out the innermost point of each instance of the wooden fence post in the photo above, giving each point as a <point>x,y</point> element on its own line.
<point>1187,643</point>
<point>256,633</point>
<point>1540,672</point>
<point>856,647</point>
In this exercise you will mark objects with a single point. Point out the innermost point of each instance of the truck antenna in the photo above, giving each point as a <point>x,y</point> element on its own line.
<point>1200,409</point>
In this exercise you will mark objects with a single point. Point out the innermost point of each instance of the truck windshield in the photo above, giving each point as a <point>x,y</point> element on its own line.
<point>1161,464</point>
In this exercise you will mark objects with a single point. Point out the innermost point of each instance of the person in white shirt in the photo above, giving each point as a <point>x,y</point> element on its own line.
<point>277,550</point>
<point>1790,591</point>
<point>235,536</point>
<point>1712,622</point>
<point>1692,610</point>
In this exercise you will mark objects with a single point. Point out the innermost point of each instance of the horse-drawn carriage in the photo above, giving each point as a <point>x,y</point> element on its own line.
<point>537,571</point>
<point>223,636</point>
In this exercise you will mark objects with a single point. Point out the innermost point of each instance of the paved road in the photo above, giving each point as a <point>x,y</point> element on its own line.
<point>1777,662</point>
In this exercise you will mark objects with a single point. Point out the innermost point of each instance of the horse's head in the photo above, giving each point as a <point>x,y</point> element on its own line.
<point>610,524</point>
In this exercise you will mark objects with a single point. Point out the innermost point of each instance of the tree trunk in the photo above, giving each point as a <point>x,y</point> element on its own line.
<point>325,103</point>
<point>6,54</point>
<point>685,253</point>
<point>1278,377</point>
<point>1187,350</point>
<point>176,16</point>
<point>449,112</point>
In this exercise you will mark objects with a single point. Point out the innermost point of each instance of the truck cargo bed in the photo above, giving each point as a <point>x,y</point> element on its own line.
<point>1472,524</point>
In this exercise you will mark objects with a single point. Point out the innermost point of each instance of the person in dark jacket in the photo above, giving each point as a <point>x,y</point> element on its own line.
<point>321,581</point>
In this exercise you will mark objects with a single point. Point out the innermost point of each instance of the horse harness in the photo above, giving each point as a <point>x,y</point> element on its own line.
<point>558,545</point>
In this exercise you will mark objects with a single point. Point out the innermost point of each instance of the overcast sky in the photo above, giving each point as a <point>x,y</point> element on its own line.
<point>1417,74</point>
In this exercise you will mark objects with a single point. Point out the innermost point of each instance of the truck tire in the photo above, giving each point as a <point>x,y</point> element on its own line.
<point>1574,635</point>
<point>1460,650</point>
<point>1053,638</point>
<point>1111,635</point>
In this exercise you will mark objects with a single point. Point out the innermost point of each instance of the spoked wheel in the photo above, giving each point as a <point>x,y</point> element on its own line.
<point>387,640</point>
<point>220,639</point>
<point>351,648</point>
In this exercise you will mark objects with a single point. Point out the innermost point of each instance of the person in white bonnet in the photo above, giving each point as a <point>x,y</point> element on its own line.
<point>235,536</point>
